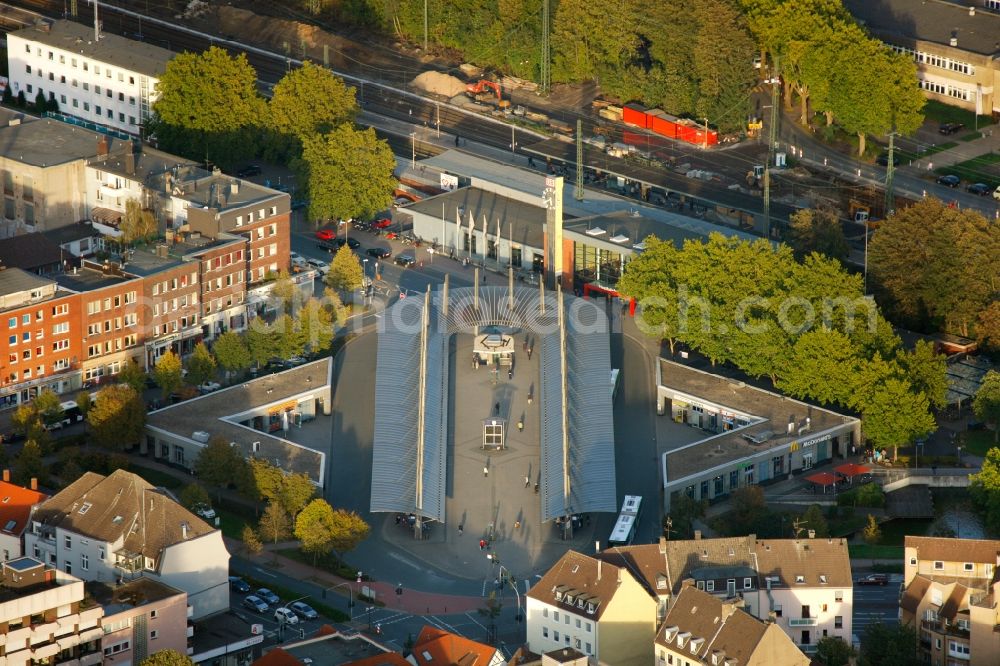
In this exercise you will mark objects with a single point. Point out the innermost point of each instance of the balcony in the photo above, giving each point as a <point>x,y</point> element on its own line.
<point>802,622</point>
<point>944,627</point>
<point>92,659</point>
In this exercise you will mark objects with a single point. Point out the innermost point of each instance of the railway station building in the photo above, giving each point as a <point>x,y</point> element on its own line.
<point>752,436</point>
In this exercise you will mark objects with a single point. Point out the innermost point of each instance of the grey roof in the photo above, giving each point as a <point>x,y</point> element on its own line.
<point>32,252</point>
<point>112,49</point>
<point>211,413</point>
<point>71,232</point>
<point>931,21</point>
<point>145,163</point>
<point>14,280</point>
<point>523,221</point>
<point>632,225</point>
<point>47,142</point>
<point>591,437</point>
<point>121,507</point>
<point>773,415</point>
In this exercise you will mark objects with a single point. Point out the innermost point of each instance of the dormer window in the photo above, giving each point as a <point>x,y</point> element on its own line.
<point>559,595</point>
<point>822,579</point>
<point>799,578</point>
<point>568,599</point>
<point>696,644</point>
<point>938,566</point>
<point>682,638</point>
<point>591,608</point>
<point>968,566</point>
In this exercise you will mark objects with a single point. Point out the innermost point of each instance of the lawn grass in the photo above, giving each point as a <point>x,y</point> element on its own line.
<point>975,170</point>
<point>906,156</point>
<point>978,442</point>
<point>156,477</point>
<point>865,551</point>
<point>946,113</point>
<point>971,136</point>
<point>231,524</point>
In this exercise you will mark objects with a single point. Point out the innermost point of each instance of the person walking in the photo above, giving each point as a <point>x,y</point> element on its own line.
<point>482,544</point>
<point>527,482</point>
<point>486,471</point>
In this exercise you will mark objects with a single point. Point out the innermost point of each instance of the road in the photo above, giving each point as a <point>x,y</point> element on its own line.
<point>876,603</point>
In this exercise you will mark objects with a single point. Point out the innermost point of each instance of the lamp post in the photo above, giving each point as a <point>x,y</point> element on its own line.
<point>413,150</point>
<point>350,596</point>
<point>493,558</point>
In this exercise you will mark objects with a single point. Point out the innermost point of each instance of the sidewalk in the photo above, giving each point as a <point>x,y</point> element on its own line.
<point>410,601</point>
<point>988,142</point>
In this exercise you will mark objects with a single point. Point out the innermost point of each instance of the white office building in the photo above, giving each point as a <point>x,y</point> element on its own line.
<point>110,81</point>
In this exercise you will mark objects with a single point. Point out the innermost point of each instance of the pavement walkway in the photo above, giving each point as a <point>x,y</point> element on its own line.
<point>988,142</point>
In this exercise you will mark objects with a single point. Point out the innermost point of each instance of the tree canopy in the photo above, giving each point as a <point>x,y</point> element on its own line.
<point>168,373</point>
<point>985,489</point>
<point>937,265</point>
<point>885,645</point>
<point>231,351</point>
<point>117,417</point>
<point>812,230</point>
<point>310,100</point>
<point>218,464</point>
<point>349,173</point>
<point>346,272</point>
<point>200,365</point>
<point>986,403</point>
<point>167,658</point>
<point>138,224</point>
<point>321,529</point>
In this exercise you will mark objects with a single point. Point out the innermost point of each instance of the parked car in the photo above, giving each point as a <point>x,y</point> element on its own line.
<point>379,252</point>
<point>405,260</point>
<point>981,189</point>
<point>950,180</point>
<point>268,596</point>
<point>254,602</point>
<point>295,361</point>
<point>883,159</point>
<point>237,584</point>
<point>206,512</point>
<point>996,193</point>
<point>303,610</point>
<point>383,223</point>
<point>950,128</point>
<point>874,579</point>
<point>285,615</point>
<point>248,171</point>
<point>319,265</point>
<point>352,243</point>
<point>326,234</point>
<point>209,387</point>
<point>297,259</point>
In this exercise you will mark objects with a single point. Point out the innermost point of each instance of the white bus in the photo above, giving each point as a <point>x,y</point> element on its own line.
<point>628,519</point>
<point>615,382</point>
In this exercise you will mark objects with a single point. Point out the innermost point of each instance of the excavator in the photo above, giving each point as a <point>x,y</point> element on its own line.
<point>477,91</point>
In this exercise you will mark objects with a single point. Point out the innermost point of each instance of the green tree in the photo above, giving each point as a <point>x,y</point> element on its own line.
<point>872,533</point>
<point>168,373</point>
<point>988,327</point>
<point>285,296</point>
<point>261,342</point>
<point>231,351</point>
<point>897,416</point>
<point>985,489</point>
<point>986,403</point>
<point>817,230</point>
<point>349,173</point>
<point>251,541</point>
<point>167,658</point>
<point>200,365</point>
<point>813,519</point>
<point>314,528</point>
<point>834,651</point>
<point>138,224</point>
<point>884,645</point>
<point>722,52</point>
<point>193,496</point>
<point>289,338</point>
<point>133,375</point>
<point>588,41</point>
<point>310,100</point>
<point>684,511</point>
<point>218,464</point>
<point>274,524</point>
<point>29,464</point>
<point>928,372</point>
<point>346,272</point>
<point>84,402</point>
<point>117,417</point>
<point>290,491</point>
<point>210,92</point>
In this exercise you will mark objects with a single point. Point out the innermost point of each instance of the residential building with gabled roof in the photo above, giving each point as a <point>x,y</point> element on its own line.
<point>436,647</point>
<point>119,527</point>
<point>703,629</point>
<point>951,590</point>
<point>16,503</point>
<point>592,606</point>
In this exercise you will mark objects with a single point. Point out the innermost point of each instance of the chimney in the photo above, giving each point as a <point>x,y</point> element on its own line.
<point>102,146</point>
<point>812,534</point>
<point>130,163</point>
<point>599,562</point>
<point>34,483</point>
<point>184,531</point>
<point>663,545</point>
<point>697,535</point>
<point>6,476</point>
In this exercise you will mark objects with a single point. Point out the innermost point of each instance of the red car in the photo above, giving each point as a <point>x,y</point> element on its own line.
<point>383,223</point>
<point>326,234</point>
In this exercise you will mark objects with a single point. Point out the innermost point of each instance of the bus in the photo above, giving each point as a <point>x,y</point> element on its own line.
<point>615,382</point>
<point>628,520</point>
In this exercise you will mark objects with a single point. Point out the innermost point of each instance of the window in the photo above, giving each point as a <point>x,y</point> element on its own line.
<point>968,566</point>
<point>747,583</point>
<point>701,585</point>
<point>154,634</point>
<point>555,636</point>
<point>566,618</point>
<point>68,543</point>
<point>913,561</point>
<point>838,622</point>
<point>938,566</point>
<point>84,561</point>
<point>588,648</point>
<point>805,612</point>
<point>587,625</point>
<point>27,69</point>
<point>153,614</point>
<point>69,568</point>
<point>838,596</point>
<point>710,586</point>
<point>116,648</point>
<point>777,610</point>
<point>799,578</point>
<point>545,632</point>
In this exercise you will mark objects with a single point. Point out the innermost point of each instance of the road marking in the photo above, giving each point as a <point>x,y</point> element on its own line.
<point>267,573</point>
<point>475,621</point>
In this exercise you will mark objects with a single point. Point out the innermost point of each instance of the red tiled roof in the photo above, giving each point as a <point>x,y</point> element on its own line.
<point>277,657</point>
<point>449,649</point>
<point>387,659</point>
<point>15,505</point>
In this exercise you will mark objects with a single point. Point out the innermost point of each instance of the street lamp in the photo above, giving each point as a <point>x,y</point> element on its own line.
<point>413,150</point>
<point>496,560</point>
<point>350,596</point>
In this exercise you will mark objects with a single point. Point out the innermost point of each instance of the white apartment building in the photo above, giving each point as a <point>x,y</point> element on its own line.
<point>119,527</point>
<point>110,81</point>
<point>45,617</point>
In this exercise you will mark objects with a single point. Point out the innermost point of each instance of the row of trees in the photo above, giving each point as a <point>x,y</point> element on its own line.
<point>291,506</point>
<point>209,108</point>
<point>836,68</point>
<point>807,326</point>
<point>935,267</point>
